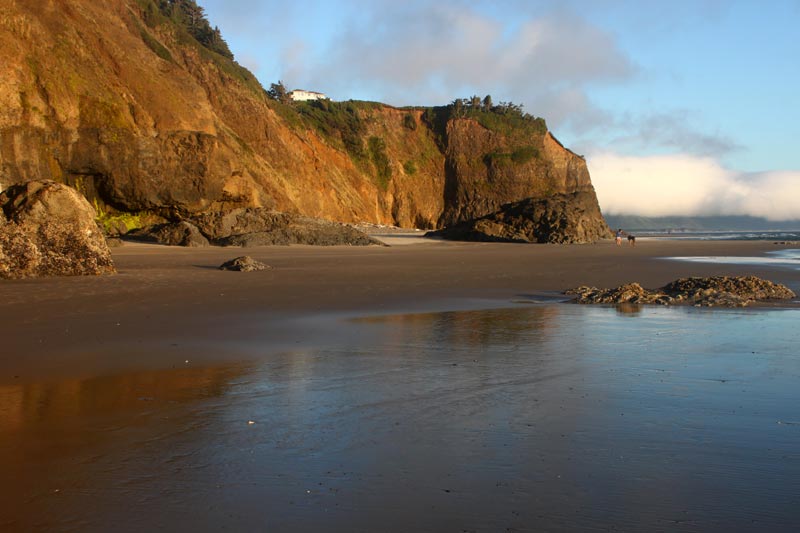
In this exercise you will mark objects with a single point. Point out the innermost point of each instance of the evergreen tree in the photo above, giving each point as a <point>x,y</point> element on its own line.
<point>277,91</point>
<point>192,18</point>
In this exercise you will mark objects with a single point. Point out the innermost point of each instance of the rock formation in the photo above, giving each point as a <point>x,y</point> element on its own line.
<point>48,229</point>
<point>562,218</point>
<point>252,227</point>
<point>119,101</point>
<point>718,291</point>
<point>171,234</point>
<point>258,226</point>
<point>244,263</point>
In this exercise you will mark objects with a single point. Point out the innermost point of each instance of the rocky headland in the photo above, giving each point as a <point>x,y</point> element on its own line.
<point>150,117</point>
<point>715,291</point>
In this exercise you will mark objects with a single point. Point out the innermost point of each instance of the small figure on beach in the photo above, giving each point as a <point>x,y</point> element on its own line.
<point>632,240</point>
<point>618,238</point>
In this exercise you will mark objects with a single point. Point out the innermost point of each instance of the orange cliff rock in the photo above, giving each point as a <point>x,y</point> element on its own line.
<point>123,105</point>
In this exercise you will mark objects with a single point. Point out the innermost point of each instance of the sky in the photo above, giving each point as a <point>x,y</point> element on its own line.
<point>680,107</point>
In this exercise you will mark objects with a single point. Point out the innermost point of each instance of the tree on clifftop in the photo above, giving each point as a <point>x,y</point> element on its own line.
<point>278,91</point>
<point>192,18</point>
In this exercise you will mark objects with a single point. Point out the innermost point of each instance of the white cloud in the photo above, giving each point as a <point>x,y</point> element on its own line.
<point>689,185</point>
<point>672,130</point>
<point>430,53</point>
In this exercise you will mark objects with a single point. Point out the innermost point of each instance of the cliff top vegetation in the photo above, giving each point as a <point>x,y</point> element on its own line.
<point>191,27</point>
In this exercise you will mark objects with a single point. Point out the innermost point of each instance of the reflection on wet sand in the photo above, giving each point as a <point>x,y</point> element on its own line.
<point>31,405</point>
<point>628,308</point>
<point>557,418</point>
<point>51,433</point>
<point>472,329</point>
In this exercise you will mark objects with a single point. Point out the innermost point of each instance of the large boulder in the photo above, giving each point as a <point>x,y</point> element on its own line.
<point>572,218</point>
<point>49,229</point>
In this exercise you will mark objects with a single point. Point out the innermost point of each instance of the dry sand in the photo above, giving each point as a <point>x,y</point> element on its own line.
<point>51,326</point>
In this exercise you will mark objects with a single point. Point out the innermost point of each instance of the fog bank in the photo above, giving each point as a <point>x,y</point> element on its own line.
<point>664,185</point>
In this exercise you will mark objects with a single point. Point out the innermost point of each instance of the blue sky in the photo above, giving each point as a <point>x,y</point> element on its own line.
<point>701,95</point>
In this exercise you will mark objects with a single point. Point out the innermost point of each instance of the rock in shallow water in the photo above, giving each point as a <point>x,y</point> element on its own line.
<point>716,291</point>
<point>49,229</point>
<point>244,263</point>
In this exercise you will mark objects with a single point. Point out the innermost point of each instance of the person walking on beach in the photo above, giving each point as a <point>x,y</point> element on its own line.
<point>619,237</point>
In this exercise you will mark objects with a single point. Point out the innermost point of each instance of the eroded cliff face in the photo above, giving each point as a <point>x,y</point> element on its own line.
<point>486,169</point>
<point>98,96</point>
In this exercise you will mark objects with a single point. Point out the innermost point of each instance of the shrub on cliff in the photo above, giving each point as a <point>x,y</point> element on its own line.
<point>337,121</point>
<point>377,152</point>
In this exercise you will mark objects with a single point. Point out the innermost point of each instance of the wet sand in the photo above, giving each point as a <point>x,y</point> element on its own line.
<point>135,391</point>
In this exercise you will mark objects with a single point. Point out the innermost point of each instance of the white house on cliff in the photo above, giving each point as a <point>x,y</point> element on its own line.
<point>299,95</point>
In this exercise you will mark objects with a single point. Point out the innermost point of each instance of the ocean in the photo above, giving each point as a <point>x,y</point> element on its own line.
<point>785,258</point>
<point>724,235</point>
<point>527,417</point>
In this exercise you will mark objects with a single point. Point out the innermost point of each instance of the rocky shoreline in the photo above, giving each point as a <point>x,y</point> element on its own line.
<point>251,227</point>
<point>715,291</point>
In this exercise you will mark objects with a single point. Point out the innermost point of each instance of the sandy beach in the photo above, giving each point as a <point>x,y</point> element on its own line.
<point>166,292</point>
<point>407,387</point>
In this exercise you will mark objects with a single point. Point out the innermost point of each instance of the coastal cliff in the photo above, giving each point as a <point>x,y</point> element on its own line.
<point>119,101</point>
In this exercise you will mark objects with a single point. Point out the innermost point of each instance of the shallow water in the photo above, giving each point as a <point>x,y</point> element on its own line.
<point>529,418</point>
<point>788,258</point>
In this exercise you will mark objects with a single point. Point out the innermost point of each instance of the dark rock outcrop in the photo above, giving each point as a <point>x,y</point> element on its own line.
<point>709,291</point>
<point>251,227</point>
<point>628,293</point>
<point>258,226</point>
<point>717,291</point>
<point>244,263</point>
<point>563,219</point>
<point>49,229</point>
<point>171,234</point>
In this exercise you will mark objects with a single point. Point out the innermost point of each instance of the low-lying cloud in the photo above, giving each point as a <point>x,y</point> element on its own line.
<point>665,185</point>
